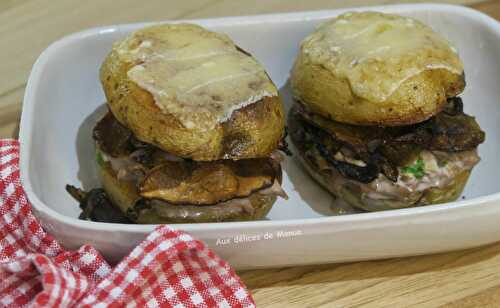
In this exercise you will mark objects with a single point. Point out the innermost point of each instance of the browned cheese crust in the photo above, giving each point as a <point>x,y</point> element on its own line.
<point>251,132</point>
<point>376,69</point>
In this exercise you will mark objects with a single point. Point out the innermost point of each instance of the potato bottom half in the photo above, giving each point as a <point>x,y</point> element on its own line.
<point>124,195</point>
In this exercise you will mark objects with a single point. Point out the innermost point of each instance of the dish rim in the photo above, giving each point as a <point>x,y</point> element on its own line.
<point>30,100</point>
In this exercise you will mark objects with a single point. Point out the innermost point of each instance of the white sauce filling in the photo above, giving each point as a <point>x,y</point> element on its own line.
<point>407,187</point>
<point>434,175</point>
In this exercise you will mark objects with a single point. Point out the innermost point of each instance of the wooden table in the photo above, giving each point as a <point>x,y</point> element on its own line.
<point>469,278</point>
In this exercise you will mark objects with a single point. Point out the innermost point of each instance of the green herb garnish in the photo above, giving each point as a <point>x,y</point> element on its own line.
<point>442,163</point>
<point>417,169</point>
<point>99,159</point>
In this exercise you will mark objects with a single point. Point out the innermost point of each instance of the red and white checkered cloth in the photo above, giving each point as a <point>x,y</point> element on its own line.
<point>169,268</point>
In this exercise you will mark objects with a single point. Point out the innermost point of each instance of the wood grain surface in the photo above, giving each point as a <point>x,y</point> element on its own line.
<point>469,278</point>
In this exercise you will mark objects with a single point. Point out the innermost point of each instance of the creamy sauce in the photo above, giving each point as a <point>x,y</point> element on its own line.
<point>341,157</point>
<point>275,190</point>
<point>221,210</point>
<point>377,52</point>
<point>382,193</point>
<point>434,176</point>
<point>196,75</point>
<point>125,167</point>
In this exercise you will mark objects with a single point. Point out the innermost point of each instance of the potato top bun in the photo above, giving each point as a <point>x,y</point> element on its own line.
<point>193,93</point>
<point>371,68</point>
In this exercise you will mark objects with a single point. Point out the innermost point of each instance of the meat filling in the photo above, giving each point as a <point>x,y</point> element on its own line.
<point>377,168</point>
<point>160,175</point>
<point>362,153</point>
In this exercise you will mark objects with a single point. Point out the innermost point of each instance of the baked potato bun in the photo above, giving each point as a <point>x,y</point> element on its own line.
<point>193,93</point>
<point>372,68</point>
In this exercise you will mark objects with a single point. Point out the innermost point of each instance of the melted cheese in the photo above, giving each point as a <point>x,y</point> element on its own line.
<point>377,52</point>
<point>196,75</point>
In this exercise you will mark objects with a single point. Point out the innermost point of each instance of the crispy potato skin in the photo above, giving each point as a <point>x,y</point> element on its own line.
<point>415,100</point>
<point>251,132</point>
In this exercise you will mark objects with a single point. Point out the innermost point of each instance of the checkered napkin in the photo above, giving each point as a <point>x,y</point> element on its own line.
<point>169,268</point>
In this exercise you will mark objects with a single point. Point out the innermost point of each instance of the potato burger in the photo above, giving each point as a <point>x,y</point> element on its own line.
<point>377,119</point>
<point>191,135</point>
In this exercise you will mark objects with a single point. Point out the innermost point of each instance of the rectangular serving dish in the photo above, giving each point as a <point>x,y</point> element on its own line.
<point>64,99</point>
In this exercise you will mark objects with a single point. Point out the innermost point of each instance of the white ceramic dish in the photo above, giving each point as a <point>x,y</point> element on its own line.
<point>63,99</point>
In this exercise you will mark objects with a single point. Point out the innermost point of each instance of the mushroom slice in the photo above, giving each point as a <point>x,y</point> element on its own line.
<point>112,137</point>
<point>207,183</point>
